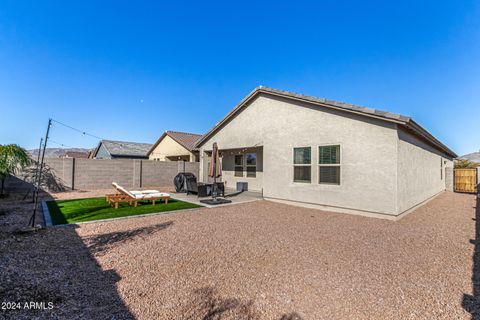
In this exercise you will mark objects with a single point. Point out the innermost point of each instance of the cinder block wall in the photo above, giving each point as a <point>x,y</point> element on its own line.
<point>91,174</point>
<point>159,173</point>
<point>63,169</point>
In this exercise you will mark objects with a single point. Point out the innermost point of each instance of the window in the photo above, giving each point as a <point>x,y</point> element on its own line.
<point>329,164</point>
<point>302,169</point>
<point>251,165</point>
<point>239,165</point>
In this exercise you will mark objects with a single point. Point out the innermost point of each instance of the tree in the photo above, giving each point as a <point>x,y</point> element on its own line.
<point>465,164</point>
<point>12,158</point>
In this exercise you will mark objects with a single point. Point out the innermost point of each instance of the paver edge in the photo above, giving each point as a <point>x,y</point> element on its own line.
<point>47,219</point>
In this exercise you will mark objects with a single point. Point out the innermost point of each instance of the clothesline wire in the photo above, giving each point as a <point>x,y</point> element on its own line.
<point>85,133</point>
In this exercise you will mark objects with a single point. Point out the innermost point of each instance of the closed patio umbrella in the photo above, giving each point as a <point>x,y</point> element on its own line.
<point>215,171</point>
<point>215,168</point>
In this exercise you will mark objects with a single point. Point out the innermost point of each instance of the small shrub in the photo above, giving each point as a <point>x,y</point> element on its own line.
<point>465,164</point>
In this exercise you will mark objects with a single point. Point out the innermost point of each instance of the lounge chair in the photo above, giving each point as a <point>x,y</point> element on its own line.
<point>123,195</point>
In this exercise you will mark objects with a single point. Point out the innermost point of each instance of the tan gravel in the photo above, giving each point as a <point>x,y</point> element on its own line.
<point>259,260</point>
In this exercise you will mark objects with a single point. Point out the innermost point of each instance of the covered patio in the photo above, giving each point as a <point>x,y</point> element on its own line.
<point>238,165</point>
<point>244,197</point>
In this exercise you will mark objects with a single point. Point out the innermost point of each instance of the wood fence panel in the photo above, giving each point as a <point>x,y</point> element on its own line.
<point>466,180</point>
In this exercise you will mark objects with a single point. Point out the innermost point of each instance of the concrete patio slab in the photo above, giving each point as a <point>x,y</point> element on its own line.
<point>244,197</point>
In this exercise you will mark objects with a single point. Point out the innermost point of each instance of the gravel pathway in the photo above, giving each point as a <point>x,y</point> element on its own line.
<point>259,260</point>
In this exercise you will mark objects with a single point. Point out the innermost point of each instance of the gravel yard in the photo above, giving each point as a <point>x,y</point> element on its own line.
<point>258,260</point>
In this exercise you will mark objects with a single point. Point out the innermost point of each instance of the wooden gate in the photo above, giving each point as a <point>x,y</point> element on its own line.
<point>466,180</point>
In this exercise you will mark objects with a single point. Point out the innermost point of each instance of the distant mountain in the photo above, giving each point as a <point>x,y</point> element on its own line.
<point>57,152</point>
<point>474,157</point>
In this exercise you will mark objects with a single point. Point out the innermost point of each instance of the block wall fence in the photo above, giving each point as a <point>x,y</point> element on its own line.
<point>91,174</point>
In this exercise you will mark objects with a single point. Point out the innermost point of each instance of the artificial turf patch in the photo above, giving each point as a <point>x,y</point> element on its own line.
<point>81,210</point>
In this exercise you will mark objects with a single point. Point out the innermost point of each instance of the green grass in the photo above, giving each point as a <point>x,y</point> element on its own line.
<point>81,210</point>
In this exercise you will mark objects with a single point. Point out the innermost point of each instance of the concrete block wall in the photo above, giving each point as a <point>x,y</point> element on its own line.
<point>91,174</point>
<point>158,173</point>
<point>63,169</point>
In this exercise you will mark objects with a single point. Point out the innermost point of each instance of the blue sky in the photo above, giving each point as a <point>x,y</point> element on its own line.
<point>129,70</point>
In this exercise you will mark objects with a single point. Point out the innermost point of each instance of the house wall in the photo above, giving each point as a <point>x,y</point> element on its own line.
<point>103,153</point>
<point>422,171</point>
<point>170,148</point>
<point>368,153</point>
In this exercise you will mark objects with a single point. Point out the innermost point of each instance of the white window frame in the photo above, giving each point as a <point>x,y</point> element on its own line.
<point>302,165</point>
<point>235,166</point>
<point>250,165</point>
<point>330,164</point>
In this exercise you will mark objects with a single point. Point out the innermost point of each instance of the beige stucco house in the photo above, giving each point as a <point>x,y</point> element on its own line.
<point>326,154</point>
<point>175,146</point>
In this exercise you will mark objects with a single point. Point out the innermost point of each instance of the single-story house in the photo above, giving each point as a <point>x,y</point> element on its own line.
<point>110,149</point>
<point>326,154</point>
<point>175,146</point>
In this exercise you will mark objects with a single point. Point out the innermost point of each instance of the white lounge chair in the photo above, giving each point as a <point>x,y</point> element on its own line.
<point>123,195</point>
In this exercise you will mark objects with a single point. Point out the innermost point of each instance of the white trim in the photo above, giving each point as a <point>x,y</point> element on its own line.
<point>340,164</point>
<point>301,165</point>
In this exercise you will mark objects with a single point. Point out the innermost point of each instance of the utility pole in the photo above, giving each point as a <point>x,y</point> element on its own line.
<point>39,179</point>
<point>36,171</point>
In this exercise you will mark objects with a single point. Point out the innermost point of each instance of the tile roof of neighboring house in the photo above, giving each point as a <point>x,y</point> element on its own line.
<point>408,122</point>
<point>185,139</point>
<point>474,157</point>
<point>125,148</point>
<point>76,154</point>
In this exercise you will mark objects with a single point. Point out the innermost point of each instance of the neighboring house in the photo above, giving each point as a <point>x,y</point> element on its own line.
<point>325,154</point>
<point>175,146</point>
<point>76,154</point>
<point>110,149</point>
<point>474,157</point>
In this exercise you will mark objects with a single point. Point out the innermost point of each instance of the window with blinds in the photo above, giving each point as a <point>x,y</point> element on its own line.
<point>329,164</point>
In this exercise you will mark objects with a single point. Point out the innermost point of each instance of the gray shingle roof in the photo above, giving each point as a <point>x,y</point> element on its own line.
<point>126,148</point>
<point>406,121</point>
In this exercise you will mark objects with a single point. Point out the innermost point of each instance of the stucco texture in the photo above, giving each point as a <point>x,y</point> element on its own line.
<point>369,156</point>
<point>170,150</point>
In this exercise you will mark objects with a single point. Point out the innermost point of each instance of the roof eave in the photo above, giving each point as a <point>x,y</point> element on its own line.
<point>429,137</point>
<point>261,89</point>
<point>179,142</point>
<point>156,143</point>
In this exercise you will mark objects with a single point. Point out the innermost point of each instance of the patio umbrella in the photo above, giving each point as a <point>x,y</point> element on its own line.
<point>215,168</point>
<point>215,171</point>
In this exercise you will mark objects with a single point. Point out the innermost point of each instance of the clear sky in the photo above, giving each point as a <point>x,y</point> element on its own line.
<point>129,70</point>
